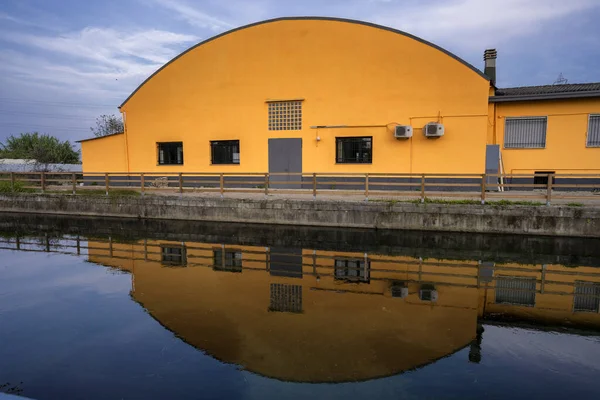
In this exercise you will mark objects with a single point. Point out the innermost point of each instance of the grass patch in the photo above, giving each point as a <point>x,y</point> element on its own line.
<point>498,203</point>
<point>17,187</point>
<point>111,193</point>
<point>515,203</point>
<point>574,204</point>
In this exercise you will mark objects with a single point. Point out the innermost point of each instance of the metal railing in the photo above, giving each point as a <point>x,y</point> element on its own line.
<point>420,187</point>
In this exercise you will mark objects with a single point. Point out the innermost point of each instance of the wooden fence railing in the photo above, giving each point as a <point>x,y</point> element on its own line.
<point>476,187</point>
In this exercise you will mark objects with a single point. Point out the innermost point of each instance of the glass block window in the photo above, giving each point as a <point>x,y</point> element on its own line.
<point>352,150</point>
<point>587,296</point>
<point>227,260</point>
<point>225,152</point>
<point>173,255</point>
<point>170,153</point>
<point>286,298</point>
<point>352,270</point>
<point>525,133</point>
<point>285,116</point>
<point>516,290</point>
<point>593,133</point>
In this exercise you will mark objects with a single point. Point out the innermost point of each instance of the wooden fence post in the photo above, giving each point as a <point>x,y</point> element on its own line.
<point>222,184</point>
<point>180,184</point>
<point>12,181</point>
<point>366,187</point>
<point>314,182</point>
<point>43,181</point>
<point>74,182</point>
<point>142,183</point>
<point>266,184</point>
<point>106,183</point>
<point>549,191</point>
<point>483,184</point>
<point>423,188</point>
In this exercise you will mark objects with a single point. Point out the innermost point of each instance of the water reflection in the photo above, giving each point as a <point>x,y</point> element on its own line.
<point>315,315</point>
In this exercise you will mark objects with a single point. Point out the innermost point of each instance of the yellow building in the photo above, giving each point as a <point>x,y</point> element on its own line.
<point>331,95</point>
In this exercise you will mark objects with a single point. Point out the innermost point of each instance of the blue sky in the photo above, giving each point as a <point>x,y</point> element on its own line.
<point>64,62</point>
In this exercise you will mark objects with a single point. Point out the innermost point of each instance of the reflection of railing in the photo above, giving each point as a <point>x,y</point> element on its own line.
<point>468,274</point>
<point>477,187</point>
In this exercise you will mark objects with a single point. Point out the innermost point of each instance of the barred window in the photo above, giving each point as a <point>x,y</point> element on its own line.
<point>173,255</point>
<point>516,290</point>
<point>225,152</point>
<point>286,298</point>
<point>525,133</point>
<point>352,270</point>
<point>227,260</point>
<point>285,115</point>
<point>593,134</point>
<point>354,150</point>
<point>587,296</point>
<point>170,153</point>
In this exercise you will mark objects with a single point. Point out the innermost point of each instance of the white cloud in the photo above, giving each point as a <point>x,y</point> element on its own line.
<point>476,23</point>
<point>193,16</point>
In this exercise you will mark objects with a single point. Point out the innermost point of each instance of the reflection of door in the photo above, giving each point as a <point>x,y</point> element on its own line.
<point>285,156</point>
<point>285,262</point>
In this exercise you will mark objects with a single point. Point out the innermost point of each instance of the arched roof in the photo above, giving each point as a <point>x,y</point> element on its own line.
<point>350,21</point>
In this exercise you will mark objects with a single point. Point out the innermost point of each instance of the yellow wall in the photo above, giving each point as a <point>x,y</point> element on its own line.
<point>566,150</point>
<point>348,74</point>
<point>106,154</point>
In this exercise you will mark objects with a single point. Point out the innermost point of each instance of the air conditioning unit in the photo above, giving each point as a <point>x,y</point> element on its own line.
<point>399,290</point>
<point>428,293</point>
<point>433,130</point>
<point>403,131</point>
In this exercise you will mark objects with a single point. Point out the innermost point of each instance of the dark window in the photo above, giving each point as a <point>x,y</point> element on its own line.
<point>587,296</point>
<point>354,150</point>
<point>516,290</point>
<point>352,270</point>
<point>225,152</point>
<point>541,177</point>
<point>173,255</point>
<point>525,133</point>
<point>286,298</point>
<point>227,260</point>
<point>170,153</point>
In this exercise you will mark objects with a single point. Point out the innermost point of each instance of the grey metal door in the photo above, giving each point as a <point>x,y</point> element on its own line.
<point>285,156</point>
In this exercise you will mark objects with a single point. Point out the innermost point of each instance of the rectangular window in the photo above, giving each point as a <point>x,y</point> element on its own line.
<point>352,270</point>
<point>354,150</point>
<point>227,260</point>
<point>285,115</point>
<point>541,177</point>
<point>525,133</point>
<point>516,290</point>
<point>225,152</point>
<point>286,298</point>
<point>587,296</point>
<point>170,153</point>
<point>173,255</point>
<point>593,134</point>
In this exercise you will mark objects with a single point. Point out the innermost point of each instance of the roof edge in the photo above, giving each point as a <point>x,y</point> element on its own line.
<point>99,137</point>
<point>307,18</point>
<point>550,96</point>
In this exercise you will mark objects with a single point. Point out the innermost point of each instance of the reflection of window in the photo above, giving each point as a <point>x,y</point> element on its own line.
<point>352,270</point>
<point>286,298</point>
<point>515,290</point>
<point>428,293</point>
<point>170,153</point>
<point>225,152</point>
<point>352,150</point>
<point>227,260</point>
<point>173,255</point>
<point>587,296</point>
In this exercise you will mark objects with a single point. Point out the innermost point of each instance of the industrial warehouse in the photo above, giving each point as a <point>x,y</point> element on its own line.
<point>329,95</point>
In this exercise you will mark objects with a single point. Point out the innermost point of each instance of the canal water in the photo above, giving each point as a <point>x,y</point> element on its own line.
<point>115,309</point>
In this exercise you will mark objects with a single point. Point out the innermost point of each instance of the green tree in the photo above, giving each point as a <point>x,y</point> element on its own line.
<point>107,125</point>
<point>43,148</point>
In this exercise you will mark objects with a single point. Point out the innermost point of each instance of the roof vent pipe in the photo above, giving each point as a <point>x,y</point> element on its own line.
<point>489,56</point>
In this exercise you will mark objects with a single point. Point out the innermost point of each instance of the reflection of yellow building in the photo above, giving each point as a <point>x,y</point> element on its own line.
<point>304,315</point>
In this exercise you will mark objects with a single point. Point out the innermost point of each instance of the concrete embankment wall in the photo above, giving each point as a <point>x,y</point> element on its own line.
<point>525,220</point>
